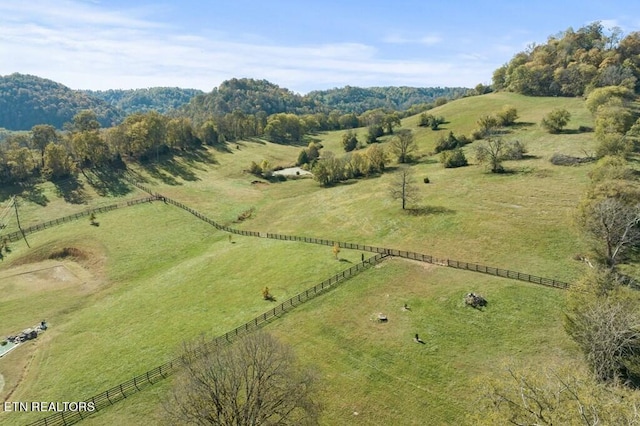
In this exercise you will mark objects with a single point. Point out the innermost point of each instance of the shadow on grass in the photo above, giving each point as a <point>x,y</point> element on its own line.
<point>71,190</point>
<point>34,194</point>
<point>428,210</point>
<point>108,182</point>
<point>168,169</point>
<point>345,260</point>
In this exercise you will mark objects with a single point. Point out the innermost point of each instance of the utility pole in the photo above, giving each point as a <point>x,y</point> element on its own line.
<point>15,205</point>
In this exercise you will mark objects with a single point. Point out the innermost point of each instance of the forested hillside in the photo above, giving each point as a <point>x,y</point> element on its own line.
<point>251,96</point>
<point>358,100</point>
<point>161,99</point>
<point>27,100</point>
<point>248,96</point>
<point>573,63</point>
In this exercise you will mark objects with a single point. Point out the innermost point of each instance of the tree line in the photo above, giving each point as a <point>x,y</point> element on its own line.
<point>573,63</point>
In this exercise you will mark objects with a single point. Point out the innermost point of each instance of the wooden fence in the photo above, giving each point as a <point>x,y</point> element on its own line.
<point>138,383</point>
<point>505,273</point>
<point>16,235</point>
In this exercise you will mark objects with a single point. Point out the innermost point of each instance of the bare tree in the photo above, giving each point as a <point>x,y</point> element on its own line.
<point>495,151</point>
<point>607,329</point>
<point>255,381</point>
<point>559,396</point>
<point>614,227</point>
<point>402,145</point>
<point>403,187</point>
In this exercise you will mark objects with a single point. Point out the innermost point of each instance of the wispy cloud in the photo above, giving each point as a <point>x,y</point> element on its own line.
<point>84,45</point>
<point>428,40</point>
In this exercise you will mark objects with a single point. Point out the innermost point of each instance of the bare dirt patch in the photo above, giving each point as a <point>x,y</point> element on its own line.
<point>48,275</point>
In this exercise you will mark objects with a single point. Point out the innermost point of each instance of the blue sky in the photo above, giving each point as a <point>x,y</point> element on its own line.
<point>301,45</point>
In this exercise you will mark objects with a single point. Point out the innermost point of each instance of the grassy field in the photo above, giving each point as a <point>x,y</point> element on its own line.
<point>152,276</point>
<point>377,371</point>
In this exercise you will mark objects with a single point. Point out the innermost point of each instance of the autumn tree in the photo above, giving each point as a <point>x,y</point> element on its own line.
<point>402,145</point>
<point>255,381</point>
<point>328,170</point>
<point>376,158</point>
<point>41,136</point>
<point>284,128</point>
<point>402,186</point>
<point>349,140</point>
<point>57,162</point>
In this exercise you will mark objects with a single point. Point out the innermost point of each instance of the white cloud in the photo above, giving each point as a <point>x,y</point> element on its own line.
<point>85,46</point>
<point>428,40</point>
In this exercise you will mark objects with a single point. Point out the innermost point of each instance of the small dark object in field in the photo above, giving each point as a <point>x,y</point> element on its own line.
<point>417,339</point>
<point>426,180</point>
<point>475,300</point>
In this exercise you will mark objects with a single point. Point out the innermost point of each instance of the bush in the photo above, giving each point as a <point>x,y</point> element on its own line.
<point>426,180</point>
<point>450,142</point>
<point>516,150</point>
<point>453,159</point>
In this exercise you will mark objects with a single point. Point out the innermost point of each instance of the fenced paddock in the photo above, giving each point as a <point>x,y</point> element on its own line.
<point>140,382</point>
<point>144,380</point>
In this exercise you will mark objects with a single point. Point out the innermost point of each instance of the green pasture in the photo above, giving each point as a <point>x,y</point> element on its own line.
<point>159,276</point>
<point>374,373</point>
<point>167,278</point>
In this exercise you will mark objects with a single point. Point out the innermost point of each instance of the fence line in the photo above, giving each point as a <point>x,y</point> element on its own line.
<point>505,273</point>
<point>144,380</point>
<point>17,235</point>
<point>125,389</point>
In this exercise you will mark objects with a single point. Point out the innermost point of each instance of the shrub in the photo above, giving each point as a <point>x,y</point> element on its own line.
<point>453,159</point>
<point>426,179</point>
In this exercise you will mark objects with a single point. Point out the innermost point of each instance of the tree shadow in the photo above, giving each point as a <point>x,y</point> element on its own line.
<point>9,190</point>
<point>108,182</point>
<point>34,194</point>
<point>156,173</point>
<point>71,190</point>
<point>522,124</point>
<point>428,210</point>
<point>169,167</point>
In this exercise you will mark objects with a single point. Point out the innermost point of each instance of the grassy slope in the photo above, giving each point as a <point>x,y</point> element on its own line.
<point>166,286</point>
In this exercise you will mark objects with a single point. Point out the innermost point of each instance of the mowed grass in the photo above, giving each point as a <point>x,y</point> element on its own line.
<point>374,373</point>
<point>165,277</point>
<point>521,220</point>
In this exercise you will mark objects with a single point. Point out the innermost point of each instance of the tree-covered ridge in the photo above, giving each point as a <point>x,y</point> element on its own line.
<point>161,99</point>
<point>248,96</point>
<point>358,99</point>
<point>27,100</point>
<point>573,63</point>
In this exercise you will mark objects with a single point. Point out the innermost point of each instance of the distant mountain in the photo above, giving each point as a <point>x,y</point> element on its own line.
<point>27,100</point>
<point>358,100</point>
<point>161,99</point>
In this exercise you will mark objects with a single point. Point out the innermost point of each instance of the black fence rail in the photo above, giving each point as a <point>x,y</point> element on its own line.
<point>16,235</point>
<point>138,383</point>
<point>520,276</point>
